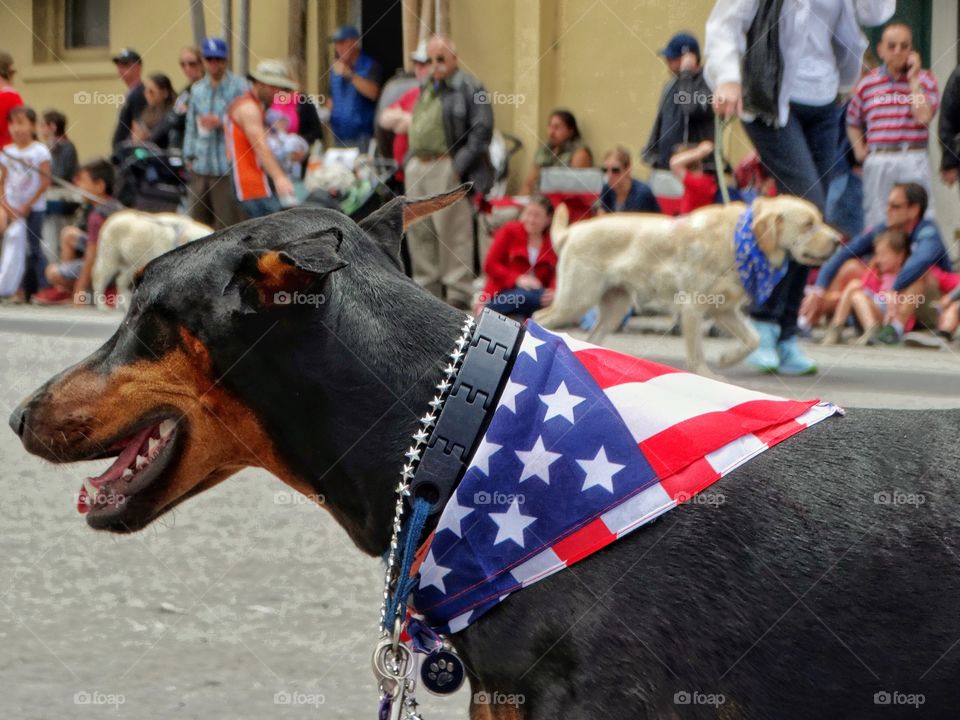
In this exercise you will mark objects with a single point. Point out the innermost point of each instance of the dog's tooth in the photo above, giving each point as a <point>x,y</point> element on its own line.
<point>152,446</point>
<point>127,474</point>
<point>91,490</point>
<point>141,461</point>
<point>166,427</point>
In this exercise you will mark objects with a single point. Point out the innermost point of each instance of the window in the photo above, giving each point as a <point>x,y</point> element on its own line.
<point>86,24</point>
<point>71,30</point>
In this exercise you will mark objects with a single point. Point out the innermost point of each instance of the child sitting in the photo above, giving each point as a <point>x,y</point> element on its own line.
<point>868,297</point>
<point>70,277</point>
<point>521,266</point>
<point>699,187</point>
<point>24,178</point>
<point>289,148</point>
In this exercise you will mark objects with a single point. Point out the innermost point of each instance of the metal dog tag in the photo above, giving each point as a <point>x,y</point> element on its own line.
<point>442,672</point>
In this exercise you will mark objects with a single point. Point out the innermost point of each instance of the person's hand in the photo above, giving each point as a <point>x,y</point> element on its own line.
<point>705,146</point>
<point>688,62</point>
<point>529,282</point>
<point>22,212</point>
<point>546,300</point>
<point>810,307</point>
<point>208,121</point>
<point>728,99</point>
<point>913,65</point>
<point>860,151</point>
<point>950,176</point>
<point>341,68</point>
<point>284,186</point>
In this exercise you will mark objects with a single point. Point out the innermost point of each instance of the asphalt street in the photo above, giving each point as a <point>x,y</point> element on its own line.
<point>249,602</point>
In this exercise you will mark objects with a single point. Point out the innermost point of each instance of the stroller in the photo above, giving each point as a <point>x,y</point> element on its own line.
<point>150,179</point>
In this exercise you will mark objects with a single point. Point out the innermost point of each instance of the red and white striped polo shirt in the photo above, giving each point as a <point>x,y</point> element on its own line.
<point>881,105</point>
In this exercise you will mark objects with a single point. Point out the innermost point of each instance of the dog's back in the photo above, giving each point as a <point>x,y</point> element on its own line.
<point>129,239</point>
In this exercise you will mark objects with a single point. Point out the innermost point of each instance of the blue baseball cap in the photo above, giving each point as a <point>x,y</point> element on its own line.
<point>679,44</point>
<point>345,32</point>
<point>214,47</point>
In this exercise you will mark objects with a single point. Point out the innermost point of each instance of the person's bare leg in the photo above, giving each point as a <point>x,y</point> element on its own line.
<point>949,319</point>
<point>842,312</point>
<point>868,315</point>
<point>907,302</point>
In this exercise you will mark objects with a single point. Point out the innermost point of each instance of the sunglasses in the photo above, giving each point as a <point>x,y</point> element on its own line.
<point>189,63</point>
<point>439,59</point>
<point>613,169</point>
<point>211,60</point>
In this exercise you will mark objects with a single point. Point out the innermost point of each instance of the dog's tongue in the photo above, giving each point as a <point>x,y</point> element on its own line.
<point>124,460</point>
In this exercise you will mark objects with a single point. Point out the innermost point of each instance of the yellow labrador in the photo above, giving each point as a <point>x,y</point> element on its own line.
<point>129,239</point>
<point>631,259</point>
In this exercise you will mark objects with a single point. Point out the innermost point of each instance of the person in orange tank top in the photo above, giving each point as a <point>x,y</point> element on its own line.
<point>251,161</point>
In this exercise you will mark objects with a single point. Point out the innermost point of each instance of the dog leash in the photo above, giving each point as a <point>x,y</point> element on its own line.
<point>472,381</point>
<point>719,125</point>
<point>66,184</point>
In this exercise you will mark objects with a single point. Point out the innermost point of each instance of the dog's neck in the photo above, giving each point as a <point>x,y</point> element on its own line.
<point>373,375</point>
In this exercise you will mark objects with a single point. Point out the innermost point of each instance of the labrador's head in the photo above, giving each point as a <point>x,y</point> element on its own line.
<point>786,225</point>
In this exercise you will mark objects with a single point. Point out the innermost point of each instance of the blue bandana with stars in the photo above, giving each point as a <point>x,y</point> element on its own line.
<point>758,276</point>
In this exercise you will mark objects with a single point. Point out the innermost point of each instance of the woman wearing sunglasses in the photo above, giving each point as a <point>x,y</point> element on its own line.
<point>191,63</point>
<point>621,193</point>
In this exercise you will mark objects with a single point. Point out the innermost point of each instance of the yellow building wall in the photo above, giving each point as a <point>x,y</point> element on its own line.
<point>598,59</point>
<point>88,92</point>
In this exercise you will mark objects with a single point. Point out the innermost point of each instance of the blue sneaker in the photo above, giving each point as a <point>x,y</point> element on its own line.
<point>765,358</point>
<point>792,359</point>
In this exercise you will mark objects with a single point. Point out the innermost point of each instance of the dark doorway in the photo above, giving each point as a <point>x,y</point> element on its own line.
<point>381,24</point>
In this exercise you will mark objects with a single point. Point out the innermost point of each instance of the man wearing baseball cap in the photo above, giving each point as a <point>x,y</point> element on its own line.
<point>211,199</point>
<point>354,89</point>
<point>253,164</point>
<point>129,67</point>
<point>684,116</point>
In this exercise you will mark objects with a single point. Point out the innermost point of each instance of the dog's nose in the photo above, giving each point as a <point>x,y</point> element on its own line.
<point>18,420</point>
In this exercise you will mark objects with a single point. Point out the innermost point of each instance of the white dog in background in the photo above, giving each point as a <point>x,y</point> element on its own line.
<point>632,259</point>
<point>129,239</point>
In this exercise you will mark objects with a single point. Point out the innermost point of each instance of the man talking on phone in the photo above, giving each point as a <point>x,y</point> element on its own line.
<point>887,121</point>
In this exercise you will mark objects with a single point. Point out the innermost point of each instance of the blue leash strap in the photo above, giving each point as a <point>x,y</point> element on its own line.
<point>405,584</point>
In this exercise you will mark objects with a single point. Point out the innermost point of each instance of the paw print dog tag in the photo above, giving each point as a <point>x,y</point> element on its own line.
<point>442,672</point>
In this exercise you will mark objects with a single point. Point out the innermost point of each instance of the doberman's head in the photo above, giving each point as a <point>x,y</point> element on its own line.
<point>293,343</point>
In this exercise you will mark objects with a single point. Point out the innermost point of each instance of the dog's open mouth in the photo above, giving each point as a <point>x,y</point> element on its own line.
<point>141,459</point>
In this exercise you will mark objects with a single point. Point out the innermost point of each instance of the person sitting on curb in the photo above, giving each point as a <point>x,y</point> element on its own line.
<point>564,148</point>
<point>906,206</point>
<point>866,298</point>
<point>521,266</point>
<point>621,192</point>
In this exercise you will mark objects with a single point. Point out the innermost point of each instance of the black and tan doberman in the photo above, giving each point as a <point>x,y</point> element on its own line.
<point>825,586</point>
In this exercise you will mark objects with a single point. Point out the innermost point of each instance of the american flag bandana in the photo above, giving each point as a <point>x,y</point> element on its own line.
<point>585,445</point>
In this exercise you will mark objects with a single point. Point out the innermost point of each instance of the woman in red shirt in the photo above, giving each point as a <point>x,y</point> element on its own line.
<point>521,266</point>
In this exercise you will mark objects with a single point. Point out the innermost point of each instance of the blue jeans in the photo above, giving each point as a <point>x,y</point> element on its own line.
<point>516,301</point>
<point>845,204</point>
<point>262,206</point>
<point>801,157</point>
<point>34,276</point>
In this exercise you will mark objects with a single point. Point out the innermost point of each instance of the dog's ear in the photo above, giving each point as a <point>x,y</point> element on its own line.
<point>386,225</point>
<point>767,226</point>
<point>294,266</point>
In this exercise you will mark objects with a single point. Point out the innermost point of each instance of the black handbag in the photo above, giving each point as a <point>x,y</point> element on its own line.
<point>762,66</point>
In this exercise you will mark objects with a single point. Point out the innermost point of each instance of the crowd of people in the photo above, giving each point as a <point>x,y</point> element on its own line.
<point>829,121</point>
<point>243,140</point>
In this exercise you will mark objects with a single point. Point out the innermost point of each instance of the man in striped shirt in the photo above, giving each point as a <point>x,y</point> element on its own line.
<point>888,118</point>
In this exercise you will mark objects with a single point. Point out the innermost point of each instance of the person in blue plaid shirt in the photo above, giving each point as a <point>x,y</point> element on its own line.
<point>212,199</point>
